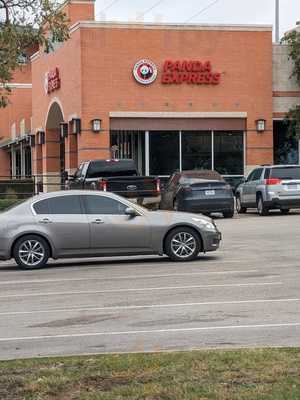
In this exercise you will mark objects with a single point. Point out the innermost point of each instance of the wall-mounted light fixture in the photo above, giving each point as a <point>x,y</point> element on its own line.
<point>96,125</point>
<point>41,137</point>
<point>76,126</point>
<point>63,130</point>
<point>260,125</point>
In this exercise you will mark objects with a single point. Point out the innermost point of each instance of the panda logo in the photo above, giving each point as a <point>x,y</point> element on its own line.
<point>145,72</point>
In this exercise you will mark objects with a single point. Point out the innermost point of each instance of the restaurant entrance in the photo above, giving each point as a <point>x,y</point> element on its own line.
<point>163,152</point>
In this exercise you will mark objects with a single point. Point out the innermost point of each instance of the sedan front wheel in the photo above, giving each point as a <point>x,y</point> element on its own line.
<point>182,244</point>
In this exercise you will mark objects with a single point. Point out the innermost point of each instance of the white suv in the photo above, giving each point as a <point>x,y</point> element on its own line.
<point>270,187</point>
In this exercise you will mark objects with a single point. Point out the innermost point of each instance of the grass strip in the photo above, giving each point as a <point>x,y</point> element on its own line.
<point>269,374</point>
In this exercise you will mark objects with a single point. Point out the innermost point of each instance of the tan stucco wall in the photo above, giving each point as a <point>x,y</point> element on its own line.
<point>284,86</point>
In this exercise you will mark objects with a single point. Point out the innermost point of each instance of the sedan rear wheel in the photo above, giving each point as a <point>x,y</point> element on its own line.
<point>228,214</point>
<point>31,252</point>
<point>182,244</point>
<point>285,211</point>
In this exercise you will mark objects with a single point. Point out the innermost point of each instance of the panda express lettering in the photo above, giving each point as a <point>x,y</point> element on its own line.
<point>190,72</point>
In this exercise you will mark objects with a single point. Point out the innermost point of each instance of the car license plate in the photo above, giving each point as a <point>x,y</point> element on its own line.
<point>210,192</point>
<point>293,187</point>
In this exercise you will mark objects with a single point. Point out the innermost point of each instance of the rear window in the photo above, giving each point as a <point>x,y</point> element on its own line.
<point>285,173</point>
<point>59,205</point>
<point>191,177</point>
<point>192,181</point>
<point>99,169</point>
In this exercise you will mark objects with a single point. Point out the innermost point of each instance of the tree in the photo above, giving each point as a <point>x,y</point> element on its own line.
<point>24,25</point>
<point>292,39</point>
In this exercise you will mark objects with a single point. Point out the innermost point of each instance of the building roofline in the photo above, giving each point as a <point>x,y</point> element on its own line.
<point>161,26</point>
<point>169,26</point>
<point>66,2</point>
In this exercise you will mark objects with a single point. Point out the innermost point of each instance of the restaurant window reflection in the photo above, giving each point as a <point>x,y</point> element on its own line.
<point>229,153</point>
<point>163,152</point>
<point>196,150</point>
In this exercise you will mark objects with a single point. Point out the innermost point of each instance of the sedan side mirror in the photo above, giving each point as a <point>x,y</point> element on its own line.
<point>131,212</point>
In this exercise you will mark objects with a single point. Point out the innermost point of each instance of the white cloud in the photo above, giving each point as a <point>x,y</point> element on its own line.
<point>225,11</point>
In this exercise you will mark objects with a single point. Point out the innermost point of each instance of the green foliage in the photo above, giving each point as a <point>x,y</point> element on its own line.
<point>25,25</point>
<point>293,122</point>
<point>292,39</point>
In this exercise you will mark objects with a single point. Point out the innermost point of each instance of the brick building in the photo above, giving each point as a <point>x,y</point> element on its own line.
<point>169,96</point>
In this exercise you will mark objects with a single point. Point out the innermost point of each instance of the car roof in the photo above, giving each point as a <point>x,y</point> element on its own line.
<point>112,160</point>
<point>49,195</point>
<point>281,166</point>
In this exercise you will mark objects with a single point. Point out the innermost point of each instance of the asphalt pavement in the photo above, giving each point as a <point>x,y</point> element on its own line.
<point>247,294</point>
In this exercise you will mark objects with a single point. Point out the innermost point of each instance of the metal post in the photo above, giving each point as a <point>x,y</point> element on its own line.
<point>277,21</point>
<point>180,151</point>
<point>212,150</point>
<point>147,154</point>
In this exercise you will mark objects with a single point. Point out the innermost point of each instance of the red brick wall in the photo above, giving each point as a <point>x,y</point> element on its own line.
<point>244,59</point>
<point>19,107</point>
<point>19,104</point>
<point>79,12</point>
<point>96,77</point>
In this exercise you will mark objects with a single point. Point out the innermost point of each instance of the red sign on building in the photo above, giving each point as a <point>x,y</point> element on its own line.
<point>191,72</point>
<point>52,81</point>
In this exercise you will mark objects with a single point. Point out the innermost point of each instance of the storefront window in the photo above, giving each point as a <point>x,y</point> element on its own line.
<point>196,150</point>
<point>286,147</point>
<point>28,171</point>
<point>163,152</point>
<point>229,153</point>
<point>129,144</point>
<point>18,163</point>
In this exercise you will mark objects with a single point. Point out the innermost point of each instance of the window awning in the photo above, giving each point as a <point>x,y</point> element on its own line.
<point>6,143</point>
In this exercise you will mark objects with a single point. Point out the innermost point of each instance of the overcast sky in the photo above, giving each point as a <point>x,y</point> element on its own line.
<point>223,11</point>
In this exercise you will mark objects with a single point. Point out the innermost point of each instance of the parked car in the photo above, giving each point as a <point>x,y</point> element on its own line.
<point>270,187</point>
<point>202,191</point>
<point>92,224</point>
<point>116,176</point>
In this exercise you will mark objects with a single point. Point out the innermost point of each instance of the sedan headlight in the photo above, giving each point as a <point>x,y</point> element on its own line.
<point>210,226</point>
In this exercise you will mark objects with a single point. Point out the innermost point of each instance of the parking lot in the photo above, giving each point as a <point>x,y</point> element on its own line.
<point>246,294</point>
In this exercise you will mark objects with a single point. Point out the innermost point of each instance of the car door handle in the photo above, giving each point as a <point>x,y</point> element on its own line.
<point>98,221</point>
<point>45,221</point>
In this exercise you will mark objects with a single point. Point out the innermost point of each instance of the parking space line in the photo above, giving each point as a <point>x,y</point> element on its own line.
<point>154,331</point>
<point>150,306</point>
<point>128,277</point>
<point>145,289</point>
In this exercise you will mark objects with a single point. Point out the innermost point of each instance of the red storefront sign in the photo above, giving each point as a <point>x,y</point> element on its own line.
<point>191,72</point>
<point>52,81</point>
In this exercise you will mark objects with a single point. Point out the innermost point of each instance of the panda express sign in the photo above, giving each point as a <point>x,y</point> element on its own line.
<point>191,72</point>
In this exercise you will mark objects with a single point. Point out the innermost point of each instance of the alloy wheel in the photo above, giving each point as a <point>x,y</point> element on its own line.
<point>183,244</point>
<point>31,253</point>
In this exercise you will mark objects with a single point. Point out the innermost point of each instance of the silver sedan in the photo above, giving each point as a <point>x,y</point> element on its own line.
<point>92,224</point>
